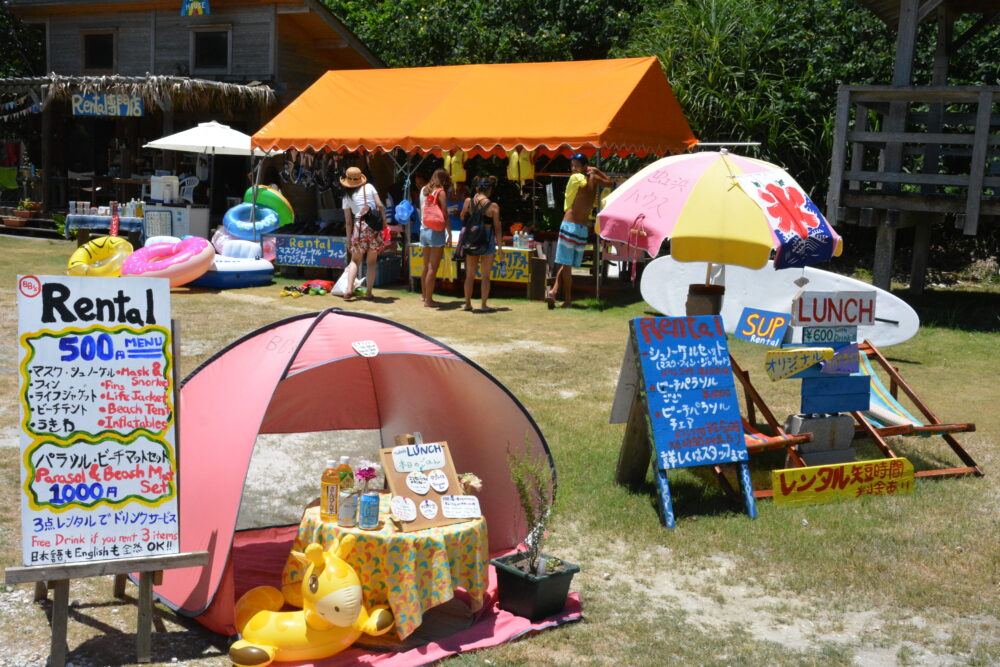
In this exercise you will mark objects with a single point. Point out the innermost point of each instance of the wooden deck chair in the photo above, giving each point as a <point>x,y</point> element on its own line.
<point>886,416</point>
<point>758,441</point>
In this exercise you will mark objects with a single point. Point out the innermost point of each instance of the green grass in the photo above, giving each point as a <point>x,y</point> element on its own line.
<point>911,579</point>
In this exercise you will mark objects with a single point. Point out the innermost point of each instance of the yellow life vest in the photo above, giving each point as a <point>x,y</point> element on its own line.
<point>455,166</point>
<point>520,165</point>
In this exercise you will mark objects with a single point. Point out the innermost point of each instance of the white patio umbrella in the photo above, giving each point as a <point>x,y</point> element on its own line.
<point>209,138</point>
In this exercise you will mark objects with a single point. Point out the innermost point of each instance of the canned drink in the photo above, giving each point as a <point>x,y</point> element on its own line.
<point>368,510</point>
<point>347,509</point>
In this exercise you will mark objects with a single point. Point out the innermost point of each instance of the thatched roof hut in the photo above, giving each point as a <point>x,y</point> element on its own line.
<point>167,93</point>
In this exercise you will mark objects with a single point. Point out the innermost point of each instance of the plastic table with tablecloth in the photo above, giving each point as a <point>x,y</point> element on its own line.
<point>410,571</point>
<point>103,223</point>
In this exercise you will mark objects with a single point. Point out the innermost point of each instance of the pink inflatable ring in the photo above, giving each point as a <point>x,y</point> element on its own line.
<point>180,262</point>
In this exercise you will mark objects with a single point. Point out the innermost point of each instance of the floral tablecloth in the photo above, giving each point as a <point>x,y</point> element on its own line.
<point>410,571</point>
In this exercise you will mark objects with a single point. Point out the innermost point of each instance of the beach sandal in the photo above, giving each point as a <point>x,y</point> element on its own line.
<point>467,308</point>
<point>487,309</point>
<point>550,300</point>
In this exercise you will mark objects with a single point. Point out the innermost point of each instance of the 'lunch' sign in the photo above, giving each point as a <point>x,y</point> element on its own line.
<point>832,309</point>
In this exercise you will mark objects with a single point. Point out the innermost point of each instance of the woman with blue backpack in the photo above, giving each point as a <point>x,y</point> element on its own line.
<point>481,238</point>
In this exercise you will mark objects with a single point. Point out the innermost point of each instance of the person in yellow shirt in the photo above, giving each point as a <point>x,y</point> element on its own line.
<point>575,228</point>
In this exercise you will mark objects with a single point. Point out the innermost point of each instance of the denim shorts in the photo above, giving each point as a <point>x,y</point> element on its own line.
<point>430,238</point>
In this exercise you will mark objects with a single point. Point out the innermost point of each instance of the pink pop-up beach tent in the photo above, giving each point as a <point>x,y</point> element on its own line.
<point>305,374</point>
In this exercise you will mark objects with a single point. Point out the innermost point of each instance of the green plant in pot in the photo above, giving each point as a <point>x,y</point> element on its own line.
<point>531,583</point>
<point>25,208</point>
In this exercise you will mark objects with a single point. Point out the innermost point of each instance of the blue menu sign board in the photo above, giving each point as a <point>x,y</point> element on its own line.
<point>762,326</point>
<point>328,252</point>
<point>691,403</point>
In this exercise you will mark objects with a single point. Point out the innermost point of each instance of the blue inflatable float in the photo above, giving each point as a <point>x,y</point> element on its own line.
<point>232,272</point>
<point>237,221</point>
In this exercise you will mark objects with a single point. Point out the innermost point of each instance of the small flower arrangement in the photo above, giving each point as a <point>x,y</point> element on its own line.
<point>470,483</point>
<point>366,472</point>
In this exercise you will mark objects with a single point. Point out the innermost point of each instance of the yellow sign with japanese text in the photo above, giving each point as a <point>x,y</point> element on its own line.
<point>512,268</point>
<point>447,269</point>
<point>780,364</point>
<point>822,484</point>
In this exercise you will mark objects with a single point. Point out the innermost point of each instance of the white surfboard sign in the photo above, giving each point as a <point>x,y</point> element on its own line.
<point>665,281</point>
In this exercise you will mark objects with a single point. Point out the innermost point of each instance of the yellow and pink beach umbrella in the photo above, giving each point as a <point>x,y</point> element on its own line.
<point>721,208</point>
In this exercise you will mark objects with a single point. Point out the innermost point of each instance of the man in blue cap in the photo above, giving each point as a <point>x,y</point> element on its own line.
<point>574,231</point>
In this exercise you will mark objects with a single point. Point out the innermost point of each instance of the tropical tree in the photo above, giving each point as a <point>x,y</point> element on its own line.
<point>745,70</point>
<point>749,70</point>
<point>407,33</point>
<point>21,49</point>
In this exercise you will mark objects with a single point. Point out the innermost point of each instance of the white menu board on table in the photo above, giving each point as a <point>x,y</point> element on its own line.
<point>98,449</point>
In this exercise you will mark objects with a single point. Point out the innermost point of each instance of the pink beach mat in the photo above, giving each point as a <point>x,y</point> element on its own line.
<point>492,627</point>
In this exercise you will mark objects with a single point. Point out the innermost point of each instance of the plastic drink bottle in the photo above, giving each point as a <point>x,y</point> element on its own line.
<point>329,484</point>
<point>347,501</point>
<point>115,220</point>
<point>345,474</point>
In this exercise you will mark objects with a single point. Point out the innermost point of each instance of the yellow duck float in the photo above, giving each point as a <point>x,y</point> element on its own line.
<point>332,618</point>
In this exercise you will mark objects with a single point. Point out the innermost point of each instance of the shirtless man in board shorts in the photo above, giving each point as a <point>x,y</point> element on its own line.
<point>575,228</point>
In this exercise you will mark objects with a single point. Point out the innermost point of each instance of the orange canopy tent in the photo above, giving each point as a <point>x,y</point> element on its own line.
<point>612,106</point>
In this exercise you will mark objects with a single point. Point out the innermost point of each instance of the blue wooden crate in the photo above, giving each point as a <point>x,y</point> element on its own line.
<point>835,384</point>
<point>835,403</point>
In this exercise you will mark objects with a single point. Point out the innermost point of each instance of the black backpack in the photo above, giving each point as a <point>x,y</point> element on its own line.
<point>474,228</point>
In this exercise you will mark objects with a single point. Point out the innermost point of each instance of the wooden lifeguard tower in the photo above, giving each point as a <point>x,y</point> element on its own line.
<point>906,155</point>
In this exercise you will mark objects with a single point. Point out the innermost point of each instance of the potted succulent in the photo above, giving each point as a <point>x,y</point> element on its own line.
<point>531,583</point>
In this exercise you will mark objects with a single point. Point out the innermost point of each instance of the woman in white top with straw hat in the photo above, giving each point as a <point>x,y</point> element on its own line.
<point>363,212</point>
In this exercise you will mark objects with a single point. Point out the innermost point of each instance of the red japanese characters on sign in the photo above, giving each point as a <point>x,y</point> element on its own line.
<point>812,309</point>
<point>821,484</point>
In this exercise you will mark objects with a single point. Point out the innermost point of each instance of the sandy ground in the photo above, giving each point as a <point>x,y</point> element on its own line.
<point>285,470</point>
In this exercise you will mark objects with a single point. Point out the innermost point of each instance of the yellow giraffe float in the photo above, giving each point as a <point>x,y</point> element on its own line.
<point>332,618</point>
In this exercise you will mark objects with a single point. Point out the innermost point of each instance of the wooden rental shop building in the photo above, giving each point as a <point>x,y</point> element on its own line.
<point>121,73</point>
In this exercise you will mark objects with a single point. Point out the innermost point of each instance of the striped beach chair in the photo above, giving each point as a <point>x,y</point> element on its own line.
<point>756,440</point>
<point>886,416</point>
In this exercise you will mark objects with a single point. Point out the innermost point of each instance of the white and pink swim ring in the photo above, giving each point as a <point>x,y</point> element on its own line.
<point>181,262</point>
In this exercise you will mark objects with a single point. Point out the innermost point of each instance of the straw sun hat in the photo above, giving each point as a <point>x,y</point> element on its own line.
<point>353,178</point>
